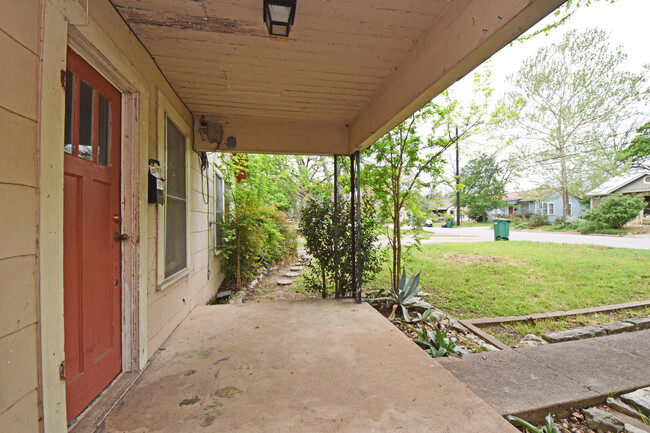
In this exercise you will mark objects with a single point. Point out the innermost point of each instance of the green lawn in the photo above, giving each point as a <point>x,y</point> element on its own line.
<point>490,279</point>
<point>464,224</point>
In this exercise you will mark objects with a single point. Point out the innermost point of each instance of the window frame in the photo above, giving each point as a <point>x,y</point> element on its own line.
<point>217,177</point>
<point>166,112</point>
<point>547,206</point>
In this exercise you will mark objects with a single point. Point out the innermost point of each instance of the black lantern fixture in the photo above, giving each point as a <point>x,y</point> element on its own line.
<point>279,15</point>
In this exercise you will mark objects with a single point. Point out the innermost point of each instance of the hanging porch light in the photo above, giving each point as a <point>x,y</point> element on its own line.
<point>278,16</point>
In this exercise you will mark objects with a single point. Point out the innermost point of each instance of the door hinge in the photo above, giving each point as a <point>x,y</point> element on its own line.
<point>62,370</point>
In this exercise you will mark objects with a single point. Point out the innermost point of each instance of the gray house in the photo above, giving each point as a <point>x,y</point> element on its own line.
<point>635,182</point>
<point>545,202</point>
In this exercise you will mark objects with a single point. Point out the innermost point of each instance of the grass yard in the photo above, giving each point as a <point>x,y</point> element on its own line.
<point>488,279</point>
<point>464,224</point>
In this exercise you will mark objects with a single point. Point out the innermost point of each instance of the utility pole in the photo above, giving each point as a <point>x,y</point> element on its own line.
<point>457,181</point>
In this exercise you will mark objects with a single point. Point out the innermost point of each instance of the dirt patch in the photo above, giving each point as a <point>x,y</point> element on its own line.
<point>468,259</point>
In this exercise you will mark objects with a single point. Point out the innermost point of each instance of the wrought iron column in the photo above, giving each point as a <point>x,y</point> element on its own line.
<point>335,221</point>
<point>353,227</point>
<point>359,261</point>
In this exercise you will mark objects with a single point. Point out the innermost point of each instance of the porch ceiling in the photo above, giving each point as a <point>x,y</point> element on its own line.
<point>350,70</point>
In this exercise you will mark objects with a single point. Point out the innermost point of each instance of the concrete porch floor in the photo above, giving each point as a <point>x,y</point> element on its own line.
<point>306,366</point>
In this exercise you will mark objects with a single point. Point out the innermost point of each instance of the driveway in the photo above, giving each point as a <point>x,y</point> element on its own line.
<point>480,234</point>
<point>304,366</point>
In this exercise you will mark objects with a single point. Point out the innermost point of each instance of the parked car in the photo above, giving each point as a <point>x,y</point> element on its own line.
<point>428,223</point>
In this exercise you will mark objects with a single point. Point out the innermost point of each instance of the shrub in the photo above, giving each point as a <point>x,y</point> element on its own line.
<point>518,222</point>
<point>254,234</point>
<point>437,345</point>
<point>587,227</point>
<point>317,226</point>
<point>616,210</point>
<point>567,223</point>
<point>537,220</point>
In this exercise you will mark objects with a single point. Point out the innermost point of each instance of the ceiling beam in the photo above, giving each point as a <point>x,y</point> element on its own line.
<point>465,36</point>
<point>256,135</point>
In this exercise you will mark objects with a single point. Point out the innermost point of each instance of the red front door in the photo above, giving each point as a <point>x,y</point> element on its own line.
<point>91,216</point>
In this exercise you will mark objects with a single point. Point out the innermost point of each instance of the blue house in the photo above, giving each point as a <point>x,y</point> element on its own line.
<point>545,202</point>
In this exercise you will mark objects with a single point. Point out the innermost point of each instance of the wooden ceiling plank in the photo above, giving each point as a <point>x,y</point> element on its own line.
<point>466,36</point>
<point>221,44</point>
<point>243,62</point>
<point>215,79</point>
<point>182,80</point>
<point>216,111</point>
<point>192,50</point>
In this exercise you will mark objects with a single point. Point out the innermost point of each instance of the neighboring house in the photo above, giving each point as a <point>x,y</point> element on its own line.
<point>447,207</point>
<point>635,182</point>
<point>94,276</point>
<point>544,202</point>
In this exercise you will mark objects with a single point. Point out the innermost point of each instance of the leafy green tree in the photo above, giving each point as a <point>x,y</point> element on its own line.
<point>484,181</point>
<point>317,227</point>
<point>571,104</point>
<point>395,168</point>
<point>616,210</point>
<point>638,152</point>
<point>404,162</point>
<point>254,229</point>
<point>562,15</point>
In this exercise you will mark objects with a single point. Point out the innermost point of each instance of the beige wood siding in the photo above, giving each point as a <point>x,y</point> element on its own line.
<point>19,327</point>
<point>169,306</point>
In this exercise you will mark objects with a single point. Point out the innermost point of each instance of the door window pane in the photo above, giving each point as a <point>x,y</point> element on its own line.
<point>86,121</point>
<point>69,111</point>
<point>104,130</point>
<point>176,202</point>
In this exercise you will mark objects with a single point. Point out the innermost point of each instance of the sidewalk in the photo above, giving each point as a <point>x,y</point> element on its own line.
<point>530,382</point>
<point>482,234</point>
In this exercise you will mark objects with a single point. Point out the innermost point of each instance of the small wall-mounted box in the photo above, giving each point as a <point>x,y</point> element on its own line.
<point>156,183</point>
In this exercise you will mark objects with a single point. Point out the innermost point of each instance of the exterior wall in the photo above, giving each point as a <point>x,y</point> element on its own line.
<point>537,207</point>
<point>32,396</point>
<point>168,302</point>
<point>577,209</point>
<point>640,185</point>
<point>19,123</point>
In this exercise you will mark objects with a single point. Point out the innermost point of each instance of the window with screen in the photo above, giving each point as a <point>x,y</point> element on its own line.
<point>176,201</point>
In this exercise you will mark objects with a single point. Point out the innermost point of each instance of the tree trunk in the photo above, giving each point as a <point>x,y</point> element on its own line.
<point>397,241</point>
<point>565,186</point>
<point>324,288</point>
<point>238,261</point>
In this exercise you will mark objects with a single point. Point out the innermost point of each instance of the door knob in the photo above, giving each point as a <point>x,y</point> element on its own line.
<point>118,237</point>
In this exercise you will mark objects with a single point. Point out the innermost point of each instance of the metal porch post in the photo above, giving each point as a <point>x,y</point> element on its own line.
<point>335,220</point>
<point>353,226</point>
<point>359,262</point>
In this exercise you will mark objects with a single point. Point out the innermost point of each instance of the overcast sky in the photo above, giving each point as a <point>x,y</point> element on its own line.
<point>625,20</point>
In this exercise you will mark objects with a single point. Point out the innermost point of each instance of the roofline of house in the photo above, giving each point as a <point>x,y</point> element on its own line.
<point>619,185</point>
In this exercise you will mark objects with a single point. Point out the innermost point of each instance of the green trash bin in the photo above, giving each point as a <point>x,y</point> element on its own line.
<point>448,224</point>
<point>501,229</point>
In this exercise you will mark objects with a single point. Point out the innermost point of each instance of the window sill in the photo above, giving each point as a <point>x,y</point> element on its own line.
<point>217,253</point>
<point>174,279</point>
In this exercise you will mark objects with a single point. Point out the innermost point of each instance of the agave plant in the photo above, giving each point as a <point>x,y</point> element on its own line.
<point>437,346</point>
<point>548,427</point>
<point>404,295</point>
